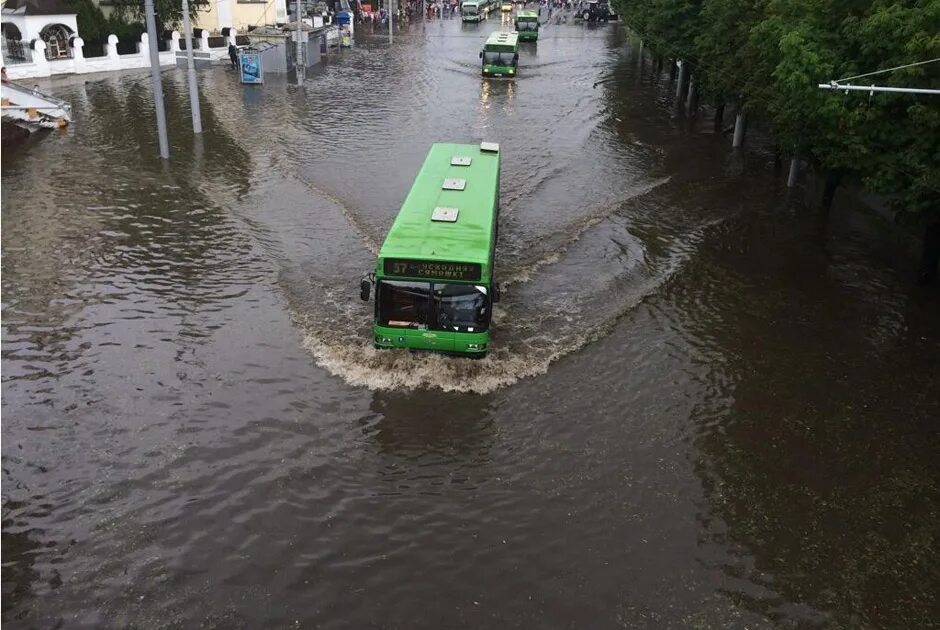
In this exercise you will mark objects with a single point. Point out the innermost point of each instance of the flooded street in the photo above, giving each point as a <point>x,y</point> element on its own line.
<point>704,408</point>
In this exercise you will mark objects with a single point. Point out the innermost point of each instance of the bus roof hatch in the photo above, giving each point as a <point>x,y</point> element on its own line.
<point>447,215</point>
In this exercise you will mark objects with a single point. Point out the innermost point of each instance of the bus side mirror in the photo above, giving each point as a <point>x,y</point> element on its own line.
<point>497,293</point>
<point>481,54</point>
<point>364,288</point>
<point>515,58</point>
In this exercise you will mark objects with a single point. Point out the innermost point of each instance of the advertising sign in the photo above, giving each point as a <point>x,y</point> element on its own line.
<point>249,64</point>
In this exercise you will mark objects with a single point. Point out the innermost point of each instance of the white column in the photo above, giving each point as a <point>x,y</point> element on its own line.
<point>204,40</point>
<point>39,59</point>
<point>175,42</point>
<point>78,55</point>
<point>112,51</point>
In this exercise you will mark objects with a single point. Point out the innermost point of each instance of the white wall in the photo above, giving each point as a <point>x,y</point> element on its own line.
<point>78,64</point>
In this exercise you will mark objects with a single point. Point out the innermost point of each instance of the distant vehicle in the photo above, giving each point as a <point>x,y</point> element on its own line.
<point>434,283</point>
<point>475,10</point>
<point>527,25</point>
<point>500,55</point>
<point>506,7</point>
<point>596,11</point>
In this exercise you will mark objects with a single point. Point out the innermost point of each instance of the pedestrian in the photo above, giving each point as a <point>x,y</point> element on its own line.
<point>233,54</point>
<point>3,75</point>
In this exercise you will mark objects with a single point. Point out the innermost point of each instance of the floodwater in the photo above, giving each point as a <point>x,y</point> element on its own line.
<point>705,407</point>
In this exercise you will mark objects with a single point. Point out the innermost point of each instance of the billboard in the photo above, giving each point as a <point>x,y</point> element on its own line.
<point>249,65</point>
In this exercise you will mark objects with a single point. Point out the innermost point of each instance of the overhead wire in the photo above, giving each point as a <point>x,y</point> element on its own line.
<point>869,74</point>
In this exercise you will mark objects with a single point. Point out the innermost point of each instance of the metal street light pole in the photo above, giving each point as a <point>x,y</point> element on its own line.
<point>156,81</point>
<point>300,47</point>
<point>876,88</point>
<point>191,71</point>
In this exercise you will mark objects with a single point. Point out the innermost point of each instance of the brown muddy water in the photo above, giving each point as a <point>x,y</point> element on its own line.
<point>705,407</point>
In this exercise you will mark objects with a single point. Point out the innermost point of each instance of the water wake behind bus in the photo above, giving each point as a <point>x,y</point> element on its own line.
<point>600,275</point>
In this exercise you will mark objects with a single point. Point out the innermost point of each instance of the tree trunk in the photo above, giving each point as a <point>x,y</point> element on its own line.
<point>719,115</point>
<point>833,179</point>
<point>930,253</point>
<point>672,69</point>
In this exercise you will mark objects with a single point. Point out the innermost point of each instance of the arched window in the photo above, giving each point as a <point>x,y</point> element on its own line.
<point>13,49</point>
<point>56,37</point>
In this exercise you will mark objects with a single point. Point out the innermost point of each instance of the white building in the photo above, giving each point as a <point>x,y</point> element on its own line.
<point>32,27</point>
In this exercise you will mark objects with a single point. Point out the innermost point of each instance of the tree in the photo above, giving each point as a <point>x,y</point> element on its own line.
<point>92,25</point>
<point>169,13</point>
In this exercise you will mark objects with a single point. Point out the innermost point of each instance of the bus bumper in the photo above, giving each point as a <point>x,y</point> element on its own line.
<point>499,72</point>
<point>463,344</point>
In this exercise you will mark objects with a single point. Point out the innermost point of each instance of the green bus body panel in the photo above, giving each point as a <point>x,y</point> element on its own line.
<point>502,42</point>
<point>437,340</point>
<point>503,71</point>
<point>415,236</point>
<point>470,239</point>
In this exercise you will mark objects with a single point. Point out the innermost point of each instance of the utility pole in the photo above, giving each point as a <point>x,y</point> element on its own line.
<point>301,68</point>
<point>191,71</point>
<point>156,80</point>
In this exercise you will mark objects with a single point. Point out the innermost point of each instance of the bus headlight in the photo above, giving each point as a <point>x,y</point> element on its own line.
<point>385,341</point>
<point>476,346</point>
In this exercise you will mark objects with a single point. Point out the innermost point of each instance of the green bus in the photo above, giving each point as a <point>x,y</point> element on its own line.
<point>434,286</point>
<point>473,11</point>
<point>527,25</point>
<point>500,55</point>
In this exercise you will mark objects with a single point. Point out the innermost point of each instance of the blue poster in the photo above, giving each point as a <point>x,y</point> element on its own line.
<point>250,64</point>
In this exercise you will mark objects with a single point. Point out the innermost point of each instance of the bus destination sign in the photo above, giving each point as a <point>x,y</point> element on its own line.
<point>432,269</point>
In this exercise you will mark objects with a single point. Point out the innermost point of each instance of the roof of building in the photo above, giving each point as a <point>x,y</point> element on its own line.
<point>37,7</point>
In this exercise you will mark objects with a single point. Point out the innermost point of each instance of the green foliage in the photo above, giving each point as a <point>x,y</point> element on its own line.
<point>169,13</point>
<point>92,25</point>
<point>769,55</point>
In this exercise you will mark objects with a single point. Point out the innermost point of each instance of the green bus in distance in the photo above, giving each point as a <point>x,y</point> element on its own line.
<point>527,25</point>
<point>473,11</point>
<point>500,55</point>
<point>434,286</point>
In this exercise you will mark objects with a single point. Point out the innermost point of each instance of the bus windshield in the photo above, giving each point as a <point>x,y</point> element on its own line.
<point>456,307</point>
<point>526,26</point>
<point>496,58</point>
<point>403,304</point>
<point>461,307</point>
<point>470,9</point>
